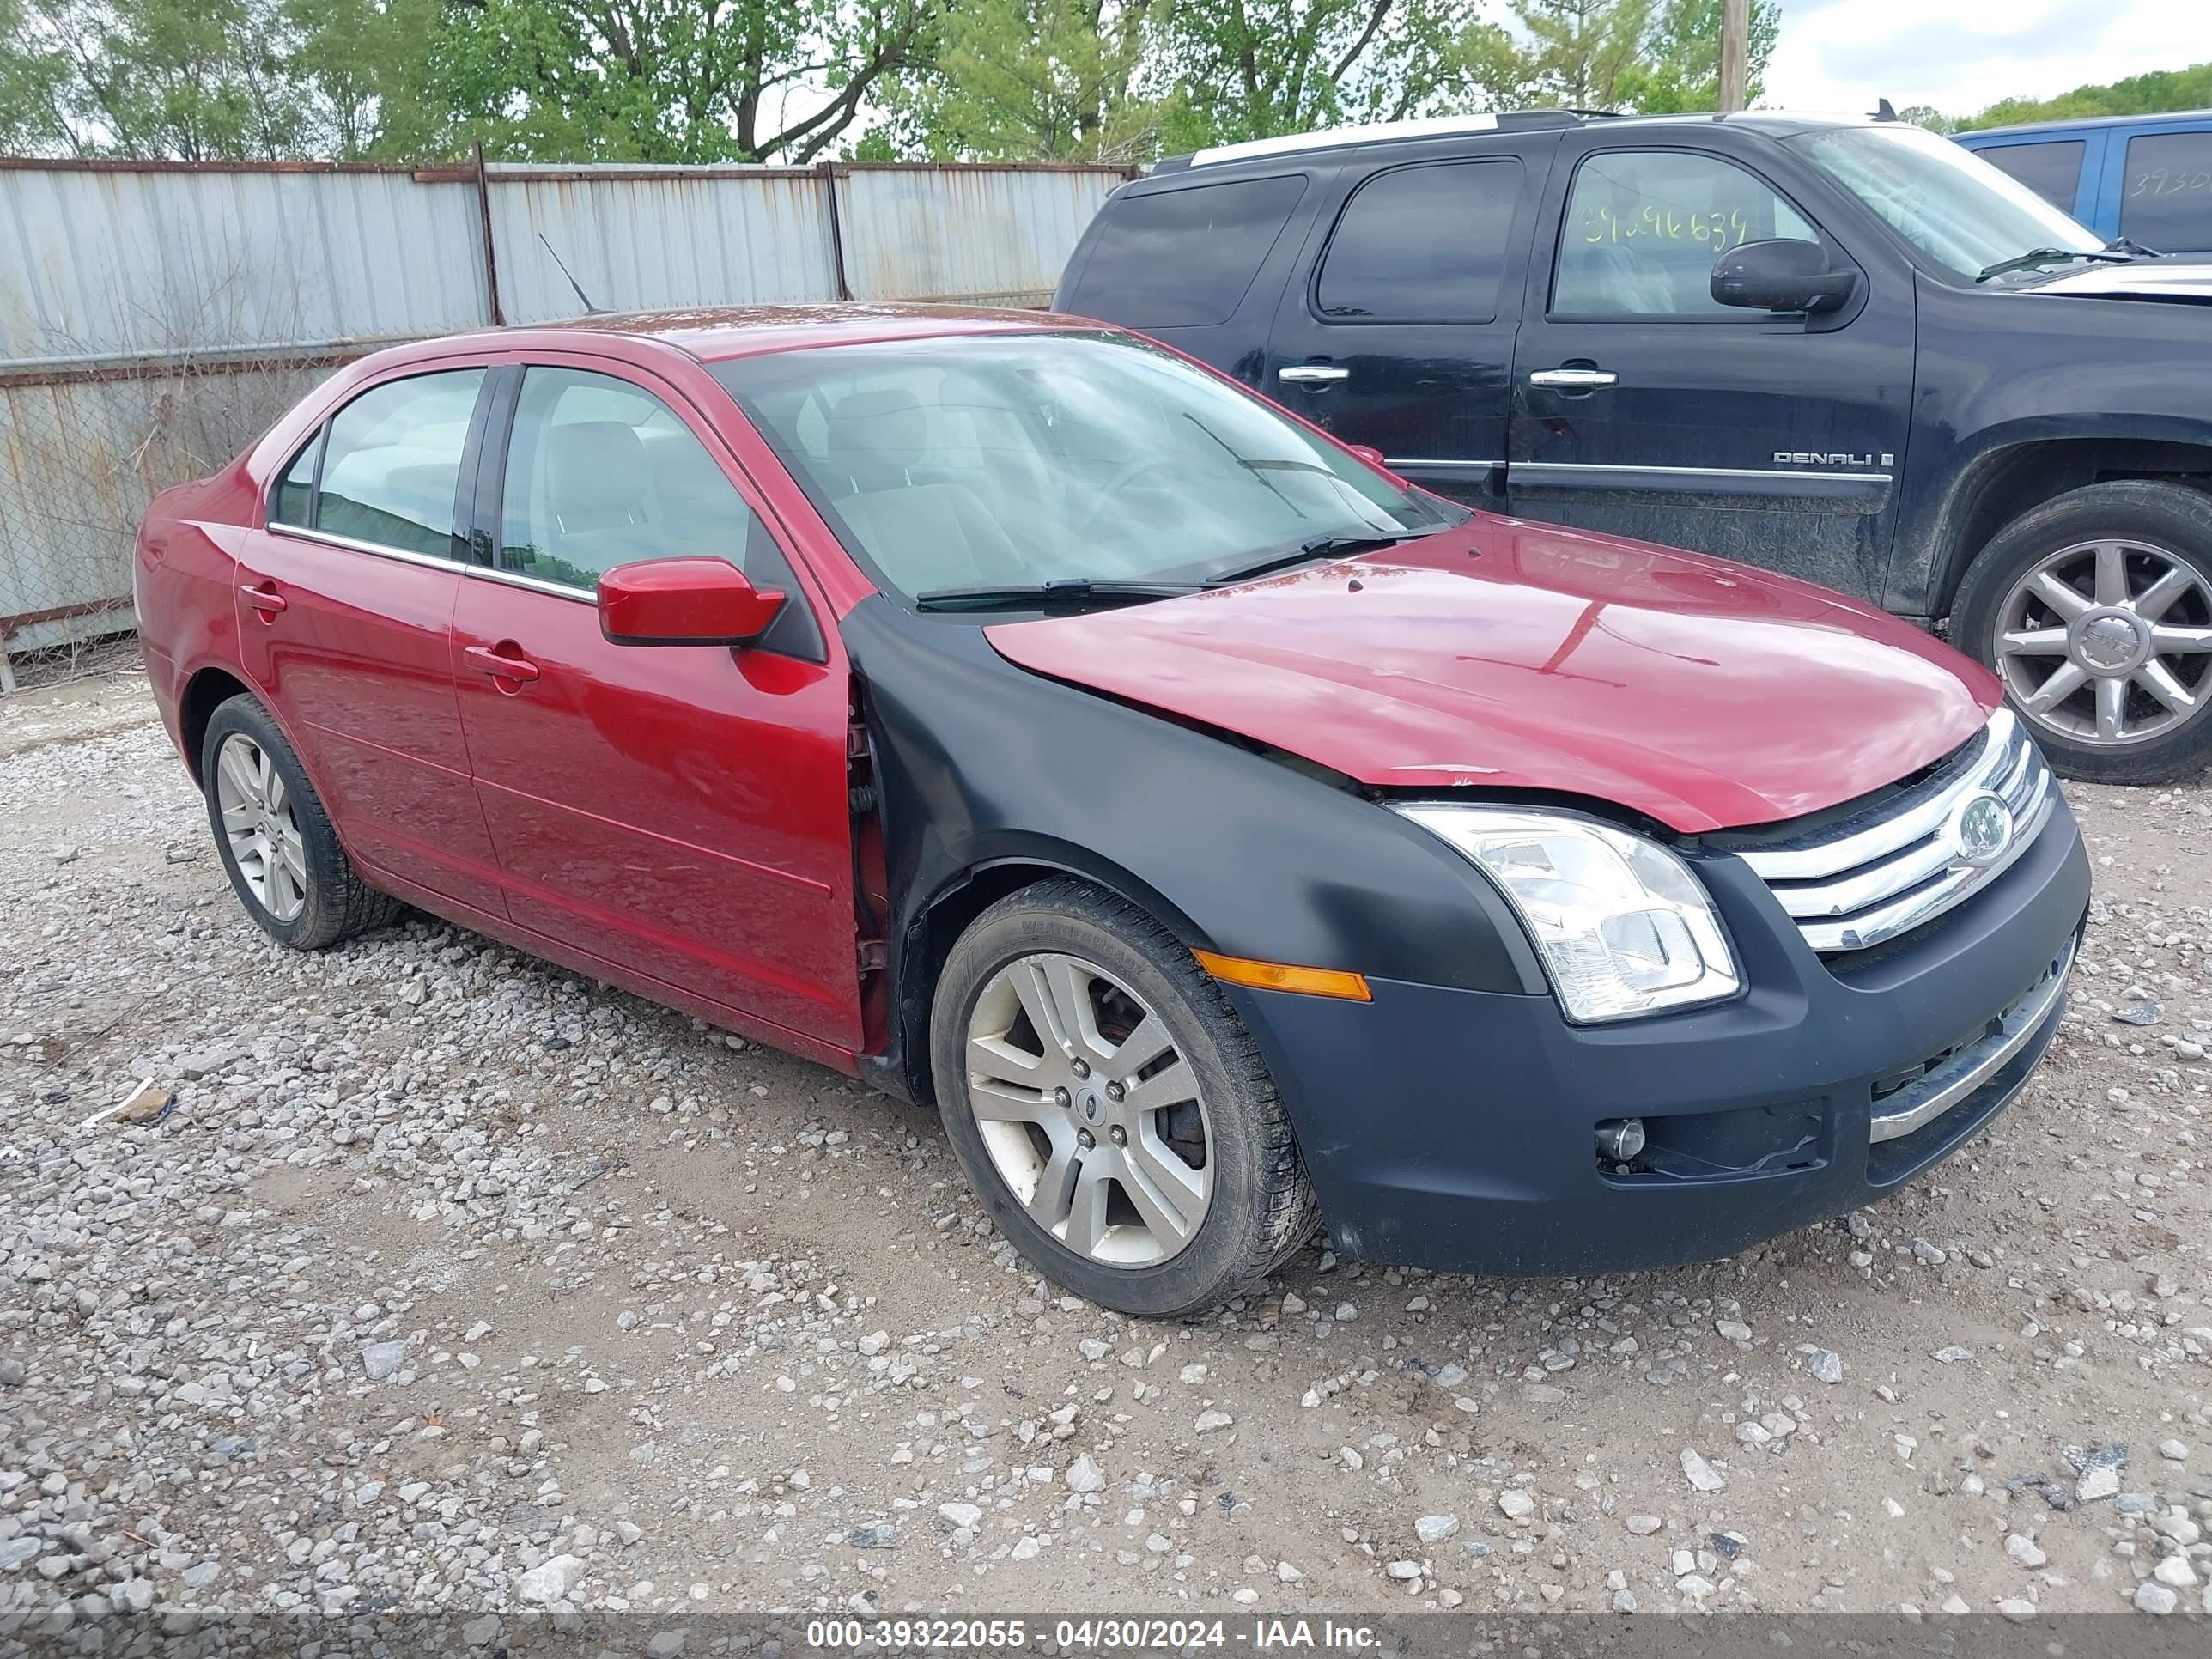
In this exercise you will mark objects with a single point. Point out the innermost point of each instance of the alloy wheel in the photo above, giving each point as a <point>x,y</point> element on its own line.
<point>257,818</point>
<point>2107,643</point>
<point>1090,1112</point>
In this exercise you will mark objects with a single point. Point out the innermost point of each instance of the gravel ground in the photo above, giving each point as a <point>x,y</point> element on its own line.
<point>451,1282</point>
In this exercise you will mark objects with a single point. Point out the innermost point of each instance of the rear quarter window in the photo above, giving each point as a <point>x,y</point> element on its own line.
<point>1180,258</point>
<point>2052,170</point>
<point>2165,191</point>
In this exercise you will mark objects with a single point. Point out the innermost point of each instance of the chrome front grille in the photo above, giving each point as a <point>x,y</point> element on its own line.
<point>1853,882</point>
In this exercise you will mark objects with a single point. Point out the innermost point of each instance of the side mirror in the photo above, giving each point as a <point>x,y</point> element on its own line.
<point>1782,276</point>
<point>684,602</point>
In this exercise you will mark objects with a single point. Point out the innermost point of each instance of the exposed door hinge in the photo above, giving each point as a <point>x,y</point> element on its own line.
<point>873,956</point>
<point>856,741</point>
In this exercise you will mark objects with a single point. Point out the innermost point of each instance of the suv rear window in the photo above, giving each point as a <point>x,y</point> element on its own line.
<point>1183,257</point>
<point>2052,170</point>
<point>1422,245</point>
<point>2165,191</point>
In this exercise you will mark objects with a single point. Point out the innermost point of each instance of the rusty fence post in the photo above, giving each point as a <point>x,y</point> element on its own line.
<point>491,260</point>
<point>827,172</point>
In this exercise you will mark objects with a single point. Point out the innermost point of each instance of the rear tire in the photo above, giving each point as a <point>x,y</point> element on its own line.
<point>1166,1179</point>
<point>275,841</point>
<point>2095,609</point>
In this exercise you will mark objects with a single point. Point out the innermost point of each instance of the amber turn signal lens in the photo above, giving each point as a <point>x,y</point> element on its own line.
<point>1281,977</point>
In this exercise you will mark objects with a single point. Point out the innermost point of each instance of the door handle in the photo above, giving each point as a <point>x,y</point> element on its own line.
<point>500,666</point>
<point>264,598</point>
<point>1312,374</point>
<point>1573,380</point>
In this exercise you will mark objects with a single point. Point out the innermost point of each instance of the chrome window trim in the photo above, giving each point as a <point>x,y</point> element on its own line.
<point>1928,1099</point>
<point>1793,475</point>
<point>431,561</point>
<point>1436,465</point>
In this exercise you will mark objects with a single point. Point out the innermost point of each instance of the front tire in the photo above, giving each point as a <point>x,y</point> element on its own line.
<point>1110,1108</point>
<point>276,840</point>
<point>2095,610</point>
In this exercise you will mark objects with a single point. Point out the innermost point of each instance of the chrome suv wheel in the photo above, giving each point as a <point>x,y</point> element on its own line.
<point>2108,642</point>
<point>1109,1106</point>
<point>2095,610</point>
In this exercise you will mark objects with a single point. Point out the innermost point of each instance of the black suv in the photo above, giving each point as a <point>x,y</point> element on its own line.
<point>1844,349</point>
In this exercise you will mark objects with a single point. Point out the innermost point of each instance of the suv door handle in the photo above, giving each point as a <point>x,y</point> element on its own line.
<point>1573,380</point>
<point>263,597</point>
<point>486,660</point>
<point>1312,374</point>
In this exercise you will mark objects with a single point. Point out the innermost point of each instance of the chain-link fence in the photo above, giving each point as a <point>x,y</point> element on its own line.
<point>83,453</point>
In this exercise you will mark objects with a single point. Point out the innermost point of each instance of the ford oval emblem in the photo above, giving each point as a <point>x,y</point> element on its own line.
<point>1982,832</point>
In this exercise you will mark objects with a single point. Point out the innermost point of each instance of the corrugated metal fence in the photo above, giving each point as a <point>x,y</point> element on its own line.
<point>153,317</point>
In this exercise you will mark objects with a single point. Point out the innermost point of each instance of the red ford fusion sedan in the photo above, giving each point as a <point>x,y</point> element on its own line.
<point>1225,835</point>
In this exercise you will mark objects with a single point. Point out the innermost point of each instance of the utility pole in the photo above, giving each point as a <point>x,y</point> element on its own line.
<point>1735,51</point>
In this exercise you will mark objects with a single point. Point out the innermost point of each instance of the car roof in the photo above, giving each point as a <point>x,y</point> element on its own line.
<point>2068,124</point>
<point>714,333</point>
<point>1778,123</point>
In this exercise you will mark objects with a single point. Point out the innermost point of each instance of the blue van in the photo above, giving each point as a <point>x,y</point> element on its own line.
<point>2148,178</point>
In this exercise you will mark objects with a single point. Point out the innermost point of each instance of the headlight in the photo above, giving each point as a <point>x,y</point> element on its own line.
<point>1624,926</point>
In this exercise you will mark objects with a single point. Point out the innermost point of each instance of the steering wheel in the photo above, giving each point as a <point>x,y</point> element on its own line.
<point>1113,486</point>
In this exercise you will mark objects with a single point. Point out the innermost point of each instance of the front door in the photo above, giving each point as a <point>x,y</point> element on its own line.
<point>681,811</point>
<point>1399,333</point>
<point>1644,407</point>
<point>345,611</point>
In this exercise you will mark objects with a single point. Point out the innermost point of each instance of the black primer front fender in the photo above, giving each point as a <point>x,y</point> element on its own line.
<point>980,764</point>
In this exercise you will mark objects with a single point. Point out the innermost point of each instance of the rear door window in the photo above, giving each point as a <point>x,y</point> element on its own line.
<point>1183,257</point>
<point>1422,245</point>
<point>391,464</point>
<point>2165,191</point>
<point>2051,170</point>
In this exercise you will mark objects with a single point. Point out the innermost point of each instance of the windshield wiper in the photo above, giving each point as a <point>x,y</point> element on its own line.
<point>2044,256</point>
<point>1318,547</point>
<point>1030,596</point>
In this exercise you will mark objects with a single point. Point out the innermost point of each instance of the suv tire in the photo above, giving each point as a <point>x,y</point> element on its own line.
<point>2104,593</point>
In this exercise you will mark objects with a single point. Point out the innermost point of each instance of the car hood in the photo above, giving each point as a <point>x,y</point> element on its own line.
<point>1503,654</point>
<point>2184,281</point>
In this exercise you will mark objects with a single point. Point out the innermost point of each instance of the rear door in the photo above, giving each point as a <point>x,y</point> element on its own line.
<point>1644,407</point>
<point>345,618</point>
<point>679,810</point>
<point>1398,331</point>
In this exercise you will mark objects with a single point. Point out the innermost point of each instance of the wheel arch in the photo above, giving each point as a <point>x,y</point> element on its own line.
<point>207,691</point>
<point>938,920</point>
<point>2016,476</point>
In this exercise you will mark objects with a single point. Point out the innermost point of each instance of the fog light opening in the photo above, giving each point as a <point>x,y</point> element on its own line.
<point>1620,1138</point>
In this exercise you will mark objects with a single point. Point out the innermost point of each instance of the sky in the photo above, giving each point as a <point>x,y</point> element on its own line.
<point>1963,55</point>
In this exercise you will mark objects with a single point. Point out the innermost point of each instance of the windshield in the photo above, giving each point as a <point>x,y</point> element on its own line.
<point>1941,197</point>
<point>1021,459</point>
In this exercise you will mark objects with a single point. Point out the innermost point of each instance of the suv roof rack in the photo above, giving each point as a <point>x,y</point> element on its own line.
<point>1436,126</point>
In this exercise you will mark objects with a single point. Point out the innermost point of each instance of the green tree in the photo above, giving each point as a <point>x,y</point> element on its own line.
<point>33,74</point>
<point>678,80</point>
<point>1677,67</point>
<point>1031,80</point>
<point>1251,68</point>
<point>1580,50</point>
<point>362,65</point>
<point>2154,93</point>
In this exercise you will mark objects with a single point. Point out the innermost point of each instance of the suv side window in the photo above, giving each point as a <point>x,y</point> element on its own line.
<point>2165,191</point>
<point>1180,258</point>
<point>392,461</point>
<point>2052,169</point>
<point>1643,228</point>
<point>1422,245</point>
